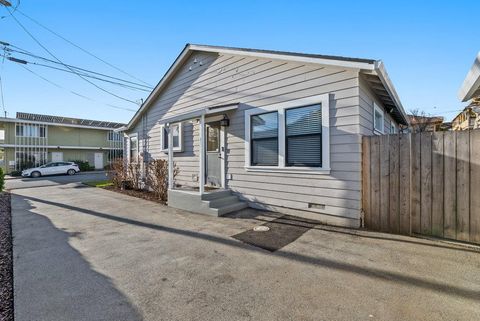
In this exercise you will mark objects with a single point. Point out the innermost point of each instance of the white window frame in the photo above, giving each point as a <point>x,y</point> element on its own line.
<point>129,150</point>
<point>180,138</point>
<point>378,109</point>
<point>393,128</point>
<point>115,134</point>
<point>324,100</point>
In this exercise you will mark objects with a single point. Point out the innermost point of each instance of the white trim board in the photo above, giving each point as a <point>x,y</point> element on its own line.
<point>324,100</point>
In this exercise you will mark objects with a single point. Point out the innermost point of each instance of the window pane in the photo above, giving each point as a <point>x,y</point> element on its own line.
<point>304,136</point>
<point>213,142</point>
<point>264,139</point>
<point>176,136</point>
<point>378,121</point>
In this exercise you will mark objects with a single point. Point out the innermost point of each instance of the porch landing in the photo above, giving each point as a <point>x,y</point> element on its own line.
<point>216,202</point>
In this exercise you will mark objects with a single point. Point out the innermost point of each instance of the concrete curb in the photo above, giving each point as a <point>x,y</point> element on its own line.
<point>8,177</point>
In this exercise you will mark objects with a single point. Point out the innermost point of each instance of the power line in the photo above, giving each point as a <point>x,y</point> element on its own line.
<point>1,90</point>
<point>27,53</point>
<point>55,57</point>
<point>73,92</point>
<point>21,61</point>
<point>80,48</point>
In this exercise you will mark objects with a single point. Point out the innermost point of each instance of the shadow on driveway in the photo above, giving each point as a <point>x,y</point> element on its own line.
<point>47,267</point>
<point>373,273</point>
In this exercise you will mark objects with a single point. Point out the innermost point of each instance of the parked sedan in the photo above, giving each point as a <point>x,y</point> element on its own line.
<point>53,168</point>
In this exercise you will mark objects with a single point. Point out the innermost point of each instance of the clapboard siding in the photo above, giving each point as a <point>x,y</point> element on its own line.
<point>208,79</point>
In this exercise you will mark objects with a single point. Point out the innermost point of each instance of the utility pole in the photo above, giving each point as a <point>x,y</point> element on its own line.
<point>5,3</point>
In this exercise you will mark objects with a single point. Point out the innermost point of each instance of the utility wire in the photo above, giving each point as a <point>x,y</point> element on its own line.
<point>55,57</point>
<point>80,48</point>
<point>77,73</point>
<point>73,92</point>
<point>1,90</point>
<point>27,53</point>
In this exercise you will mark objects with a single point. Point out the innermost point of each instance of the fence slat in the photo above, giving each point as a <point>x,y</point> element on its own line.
<point>375,182</point>
<point>463,184</point>
<point>450,186</point>
<point>384,182</point>
<point>426,183</point>
<point>394,220</point>
<point>404,184</point>
<point>416,183</point>
<point>475,186</point>
<point>366,187</point>
<point>437,184</point>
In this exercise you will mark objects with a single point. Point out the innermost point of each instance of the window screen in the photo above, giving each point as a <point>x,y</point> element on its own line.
<point>304,136</point>
<point>264,139</point>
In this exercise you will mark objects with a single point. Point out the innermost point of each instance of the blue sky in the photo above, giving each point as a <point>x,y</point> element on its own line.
<point>428,46</point>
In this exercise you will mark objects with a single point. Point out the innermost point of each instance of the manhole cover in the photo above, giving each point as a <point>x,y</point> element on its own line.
<point>261,228</point>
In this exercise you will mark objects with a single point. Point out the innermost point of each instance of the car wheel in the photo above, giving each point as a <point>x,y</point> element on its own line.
<point>35,174</point>
<point>71,172</point>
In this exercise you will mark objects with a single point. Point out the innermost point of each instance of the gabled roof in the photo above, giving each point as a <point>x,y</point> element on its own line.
<point>374,70</point>
<point>471,85</point>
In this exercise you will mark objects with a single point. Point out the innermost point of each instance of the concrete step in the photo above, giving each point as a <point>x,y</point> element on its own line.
<point>230,208</point>
<point>216,194</point>
<point>219,202</point>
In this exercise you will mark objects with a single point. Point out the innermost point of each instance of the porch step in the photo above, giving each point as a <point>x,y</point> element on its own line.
<point>215,203</point>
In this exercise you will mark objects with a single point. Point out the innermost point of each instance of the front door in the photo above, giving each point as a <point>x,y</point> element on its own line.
<point>57,156</point>
<point>98,161</point>
<point>213,162</point>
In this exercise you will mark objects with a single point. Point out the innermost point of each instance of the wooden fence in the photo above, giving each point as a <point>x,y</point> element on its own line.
<point>425,183</point>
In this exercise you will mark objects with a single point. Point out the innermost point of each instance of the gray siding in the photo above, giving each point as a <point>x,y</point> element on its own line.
<point>254,82</point>
<point>367,98</point>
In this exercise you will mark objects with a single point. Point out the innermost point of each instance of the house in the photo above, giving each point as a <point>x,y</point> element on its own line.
<point>273,130</point>
<point>420,123</point>
<point>31,140</point>
<point>469,118</point>
<point>469,92</point>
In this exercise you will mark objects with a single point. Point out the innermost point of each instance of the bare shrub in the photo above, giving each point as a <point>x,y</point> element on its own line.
<point>134,174</point>
<point>118,172</point>
<point>156,178</point>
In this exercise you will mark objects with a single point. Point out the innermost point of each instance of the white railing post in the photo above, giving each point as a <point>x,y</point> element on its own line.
<point>170,157</point>
<point>201,171</point>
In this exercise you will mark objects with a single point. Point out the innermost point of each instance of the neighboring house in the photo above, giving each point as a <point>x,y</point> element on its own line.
<point>420,124</point>
<point>32,140</point>
<point>469,118</point>
<point>469,92</point>
<point>281,131</point>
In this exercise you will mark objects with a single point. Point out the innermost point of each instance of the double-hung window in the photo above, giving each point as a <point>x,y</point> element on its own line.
<point>264,139</point>
<point>378,120</point>
<point>133,148</point>
<point>289,137</point>
<point>303,139</point>
<point>177,137</point>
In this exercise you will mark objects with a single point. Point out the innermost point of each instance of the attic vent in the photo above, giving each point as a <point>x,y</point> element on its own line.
<point>316,206</point>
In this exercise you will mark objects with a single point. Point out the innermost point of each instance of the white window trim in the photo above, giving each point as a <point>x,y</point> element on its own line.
<point>324,100</point>
<point>394,127</point>
<point>134,135</point>
<point>180,139</point>
<point>377,108</point>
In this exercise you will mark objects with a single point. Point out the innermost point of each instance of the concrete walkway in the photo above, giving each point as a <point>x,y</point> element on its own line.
<point>88,254</point>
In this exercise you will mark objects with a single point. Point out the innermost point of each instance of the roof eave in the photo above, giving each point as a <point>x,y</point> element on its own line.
<point>471,83</point>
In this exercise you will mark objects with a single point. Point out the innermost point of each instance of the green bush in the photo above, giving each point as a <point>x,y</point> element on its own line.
<point>16,173</point>
<point>2,180</point>
<point>84,165</point>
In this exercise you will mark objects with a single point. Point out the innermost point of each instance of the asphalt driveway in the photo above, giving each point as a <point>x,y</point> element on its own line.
<point>82,253</point>
<point>28,182</point>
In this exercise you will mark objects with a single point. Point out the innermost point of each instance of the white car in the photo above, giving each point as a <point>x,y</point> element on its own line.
<point>53,168</point>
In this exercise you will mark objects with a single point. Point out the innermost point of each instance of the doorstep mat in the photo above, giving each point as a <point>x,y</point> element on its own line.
<point>282,231</point>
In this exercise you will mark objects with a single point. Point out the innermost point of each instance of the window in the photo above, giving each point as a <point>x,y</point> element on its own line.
<point>30,130</point>
<point>304,136</point>
<point>114,136</point>
<point>289,137</point>
<point>264,139</point>
<point>393,128</point>
<point>2,134</point>
<point>378,119</point>
<point>177,138</point>
<point>134,148</point>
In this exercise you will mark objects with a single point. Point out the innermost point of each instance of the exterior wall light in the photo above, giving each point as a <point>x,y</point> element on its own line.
<point>225,122</point>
